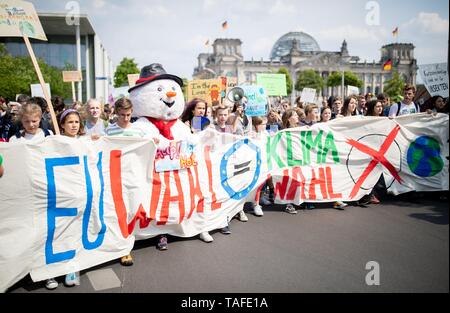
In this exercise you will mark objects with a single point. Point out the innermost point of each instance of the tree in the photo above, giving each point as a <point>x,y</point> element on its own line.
<point>335,79</point>
<point>309,79</point>
<point>285,71</point>
<point>184,88</point>
<point>126,66</point>
<point>18,73</point>
<point>394,87</point>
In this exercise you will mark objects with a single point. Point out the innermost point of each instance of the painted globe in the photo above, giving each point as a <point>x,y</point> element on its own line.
<point>424,157</point>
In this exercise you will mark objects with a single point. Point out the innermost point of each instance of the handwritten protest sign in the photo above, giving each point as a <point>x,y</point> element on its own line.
<point>308,95</point>
<point>72,76</point>
<point>132,78</point>
<point>352,90</point>
<point>274,84</point>
<point>256,100</point>
<point>36,90</point>
<point>68,204</point>
<point>209,90</point>
<point>435,78</point>
<point>178,155</point>
<point>19,19</point>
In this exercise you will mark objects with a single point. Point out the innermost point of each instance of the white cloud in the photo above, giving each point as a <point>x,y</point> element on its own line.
<point>354,33</point>
<point>157,10</point>
<point>209,5</point>
<point>427,23</point>
<point>282,8</point>
<point>98,4</point>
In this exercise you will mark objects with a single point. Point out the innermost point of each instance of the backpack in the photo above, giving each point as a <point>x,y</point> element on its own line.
<point>46,133</point>
<point>399,104</point>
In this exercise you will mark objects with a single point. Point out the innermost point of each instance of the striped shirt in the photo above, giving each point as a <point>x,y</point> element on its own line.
<point>116,130</point>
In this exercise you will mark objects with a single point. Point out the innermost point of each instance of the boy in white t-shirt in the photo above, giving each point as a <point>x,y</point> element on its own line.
<point>407,106</point>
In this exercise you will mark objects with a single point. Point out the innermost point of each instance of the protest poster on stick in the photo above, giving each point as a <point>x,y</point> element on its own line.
<point>72,77</point>
<point>19,19</point>
<point>274,84</point>
<point>308,95</point>
<point>435,78</point>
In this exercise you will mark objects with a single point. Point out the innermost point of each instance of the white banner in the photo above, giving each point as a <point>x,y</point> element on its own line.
<point>68,205</point>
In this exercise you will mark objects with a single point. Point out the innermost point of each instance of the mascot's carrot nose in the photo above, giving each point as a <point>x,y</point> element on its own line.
<point>171,94</point>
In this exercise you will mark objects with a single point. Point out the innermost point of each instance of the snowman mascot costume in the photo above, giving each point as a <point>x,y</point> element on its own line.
<point>158,102</point>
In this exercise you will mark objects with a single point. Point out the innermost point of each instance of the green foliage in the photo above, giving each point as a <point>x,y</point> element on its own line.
<point>350,78</point>
<point>285,71</point>
<point>126,66</point>
<point>18,73</point>
<point>309,79</point>
<point>394,87</point>
<point>184,88</point>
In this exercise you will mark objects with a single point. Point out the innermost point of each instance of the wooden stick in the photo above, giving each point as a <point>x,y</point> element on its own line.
<point>74,97</point>
<point>41,81</point>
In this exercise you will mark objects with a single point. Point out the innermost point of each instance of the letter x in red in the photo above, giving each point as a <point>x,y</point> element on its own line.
<point>378,157</point>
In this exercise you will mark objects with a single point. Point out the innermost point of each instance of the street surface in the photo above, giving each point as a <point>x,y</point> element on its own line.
<point>321,250</point>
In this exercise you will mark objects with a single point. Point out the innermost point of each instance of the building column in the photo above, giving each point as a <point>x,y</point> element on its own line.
<point>364,84</point>
<point>373,83</point>
<point>88,70</point>
<point>105,77</point>
<point>78,47</point>
<point>382,83</point>
<point>98,63</point>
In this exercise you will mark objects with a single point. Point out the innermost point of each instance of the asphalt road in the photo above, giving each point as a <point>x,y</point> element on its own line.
<point>321,250</point>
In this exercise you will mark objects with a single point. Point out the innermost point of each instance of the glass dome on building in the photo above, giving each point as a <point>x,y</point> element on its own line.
<point>283,46</point>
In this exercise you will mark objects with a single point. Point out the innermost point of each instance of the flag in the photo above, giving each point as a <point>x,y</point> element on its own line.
<point>395,32</point>
<point>225,25</point>
<point>207,42</point>
<point>387,66</point>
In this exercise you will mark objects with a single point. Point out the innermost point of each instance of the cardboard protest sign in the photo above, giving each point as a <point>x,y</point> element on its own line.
<point>256,104</point>
<point>36,90</point>
<point>274,84</point>
<point>132,78</point>
<point>308,95</point>
<point>19,19</point>
<point>352,90</point>
<point>71,204</point>
<point>435,78</point>
<point>209,90</point>
<point>178,155</point>
<point>72,76</point>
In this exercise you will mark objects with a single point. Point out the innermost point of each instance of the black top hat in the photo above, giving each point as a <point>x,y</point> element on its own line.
<point>153,72</point>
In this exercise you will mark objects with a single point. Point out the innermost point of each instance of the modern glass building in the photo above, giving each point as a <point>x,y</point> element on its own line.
<point>71,47</point>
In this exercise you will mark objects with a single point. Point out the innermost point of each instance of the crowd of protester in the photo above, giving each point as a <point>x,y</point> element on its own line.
<point>28,118</point>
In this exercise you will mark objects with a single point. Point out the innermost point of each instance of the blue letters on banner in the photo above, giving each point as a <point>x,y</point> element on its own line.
<point>87,212</point>
<point>53,212</point>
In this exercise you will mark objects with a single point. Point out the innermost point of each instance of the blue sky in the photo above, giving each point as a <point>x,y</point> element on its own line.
<point>173,32</point>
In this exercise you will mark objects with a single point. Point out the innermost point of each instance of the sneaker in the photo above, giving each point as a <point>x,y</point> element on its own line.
<point>339,205</point>
<point>126,260</point>
<point>226,230</point>
<point>71,280</point>
<point>242,217</point>
<point>257,210</point>
<point>374,200</point>
<point>162,244</point>
<point>206,237</point>
<point>290,209</point>
<point>51,284</point>
<point>264,200</point>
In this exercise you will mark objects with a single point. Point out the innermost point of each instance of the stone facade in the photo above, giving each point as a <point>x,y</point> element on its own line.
<point>304,53</point>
